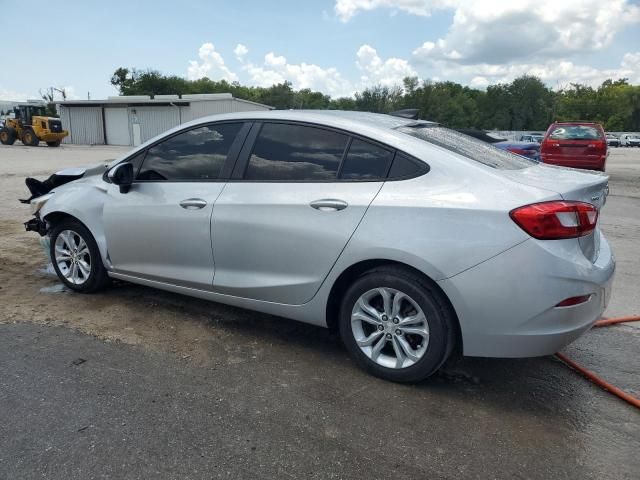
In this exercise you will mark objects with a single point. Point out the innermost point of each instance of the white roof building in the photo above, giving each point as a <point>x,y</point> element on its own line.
<point>132,120</point>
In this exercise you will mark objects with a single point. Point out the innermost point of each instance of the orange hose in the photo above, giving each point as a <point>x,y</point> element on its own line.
<point>592,376</point>
<point>613,321</point>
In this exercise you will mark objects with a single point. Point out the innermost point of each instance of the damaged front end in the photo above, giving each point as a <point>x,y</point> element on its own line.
<point>38,225</point>
<point>41,191</point>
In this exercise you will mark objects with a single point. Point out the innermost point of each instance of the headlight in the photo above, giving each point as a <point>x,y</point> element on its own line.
<point>37,203</point>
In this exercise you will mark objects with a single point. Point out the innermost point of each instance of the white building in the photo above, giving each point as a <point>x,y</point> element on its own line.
<point>132,120</point>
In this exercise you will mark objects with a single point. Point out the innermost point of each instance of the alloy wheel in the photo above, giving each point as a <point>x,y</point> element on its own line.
<point>390,327</point>
<point>72,257</point>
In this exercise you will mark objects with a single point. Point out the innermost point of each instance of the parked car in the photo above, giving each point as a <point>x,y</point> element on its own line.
<point>532,137</point>
<point>530,150</point>
<point>612,140</point>
<point>410,239</point>
<point>629,140</point>
<point>575,144</point>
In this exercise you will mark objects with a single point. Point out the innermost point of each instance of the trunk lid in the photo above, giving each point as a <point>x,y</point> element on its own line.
<point>572,148</point>
<point>570,184</point>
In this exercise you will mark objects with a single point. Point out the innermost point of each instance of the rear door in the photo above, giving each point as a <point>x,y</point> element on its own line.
<point>160,229</point>
<point>298,194</point>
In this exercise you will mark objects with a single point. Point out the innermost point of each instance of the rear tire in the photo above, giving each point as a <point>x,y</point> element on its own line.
<point>7,136</point>
<point>54,144</point>
<point>392,342</point>
<point>29,138</point>
<point>76,257</point>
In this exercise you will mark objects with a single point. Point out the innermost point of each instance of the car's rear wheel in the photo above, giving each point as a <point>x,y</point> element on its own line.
<point>76,257</point>
<point>397,325</point>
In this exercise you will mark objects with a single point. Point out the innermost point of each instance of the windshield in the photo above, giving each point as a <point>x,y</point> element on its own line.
<point>575,132</point>
<point>469,147</point>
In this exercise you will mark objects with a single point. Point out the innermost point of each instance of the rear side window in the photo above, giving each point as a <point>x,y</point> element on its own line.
<point>197,154</point>
<point>405,167</point>
<point>366,161</point>
<point>575,132</point>
<point>468,146</point>
<point>285,152</point>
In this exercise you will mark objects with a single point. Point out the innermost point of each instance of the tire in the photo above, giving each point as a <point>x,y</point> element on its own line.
<point>7,136</point>
<point>29,138</point>
<point>384,339</point>
<point>90,274</point>
<point>54,144</point>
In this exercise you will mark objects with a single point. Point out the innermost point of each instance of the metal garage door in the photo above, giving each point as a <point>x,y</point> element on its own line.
<point>85,125</point>
<point>155,120</point>
<point>117,126</point>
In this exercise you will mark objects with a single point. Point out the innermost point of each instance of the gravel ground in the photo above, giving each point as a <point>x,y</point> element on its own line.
<point>174,387</point>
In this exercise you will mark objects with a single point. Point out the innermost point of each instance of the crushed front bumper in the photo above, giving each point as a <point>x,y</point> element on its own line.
<point>36,224</point>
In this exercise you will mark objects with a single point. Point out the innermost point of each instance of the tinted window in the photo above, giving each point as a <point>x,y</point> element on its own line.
<point>366,161</point>
<point>196,154</point>
<point>404,166</point>
<point>575,132</point>
<point>295,152</point>
<point>469,147</point>
<point>137,161</point>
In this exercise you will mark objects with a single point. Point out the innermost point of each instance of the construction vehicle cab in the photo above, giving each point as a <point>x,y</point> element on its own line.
<point>31,125</point>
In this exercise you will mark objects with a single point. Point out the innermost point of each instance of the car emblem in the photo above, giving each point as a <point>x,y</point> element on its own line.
<point>595,198</point>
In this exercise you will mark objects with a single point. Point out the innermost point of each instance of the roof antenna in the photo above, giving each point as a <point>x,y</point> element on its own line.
<point>409,113</point>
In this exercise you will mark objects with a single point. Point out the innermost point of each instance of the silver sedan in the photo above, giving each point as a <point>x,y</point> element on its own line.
<point>411,240</point>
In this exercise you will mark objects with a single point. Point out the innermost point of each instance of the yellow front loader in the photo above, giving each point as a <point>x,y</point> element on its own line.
<point>31,126</point>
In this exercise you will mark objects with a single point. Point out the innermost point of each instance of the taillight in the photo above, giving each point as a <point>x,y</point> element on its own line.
<point>556,219</point>
<point>600,145</point>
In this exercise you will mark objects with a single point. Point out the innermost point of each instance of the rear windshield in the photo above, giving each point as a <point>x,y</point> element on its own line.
<point>469,147</point>
<point>575,132</point>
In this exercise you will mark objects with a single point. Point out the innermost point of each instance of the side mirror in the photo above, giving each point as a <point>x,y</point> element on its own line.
<point>122,175</point>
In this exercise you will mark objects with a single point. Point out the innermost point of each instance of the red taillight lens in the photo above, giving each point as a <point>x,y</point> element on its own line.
<point>557,219</point>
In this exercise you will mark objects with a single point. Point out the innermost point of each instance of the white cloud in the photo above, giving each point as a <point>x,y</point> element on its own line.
<point>211,65</point>
<point>240,52</point>
<point>389,72</point>
<point>555,73</point>
<point>498,31</point>
<point>12,95</point>
<point>276,69</point>
<point>347,9</point>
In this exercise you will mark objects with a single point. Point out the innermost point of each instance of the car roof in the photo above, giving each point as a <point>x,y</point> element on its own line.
<point>337,118</point>
<point>376,126</point>
<point>577,122</point>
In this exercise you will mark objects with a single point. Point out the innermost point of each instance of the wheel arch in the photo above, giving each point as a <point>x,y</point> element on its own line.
<point>349,274</point>
<point>94,227</point>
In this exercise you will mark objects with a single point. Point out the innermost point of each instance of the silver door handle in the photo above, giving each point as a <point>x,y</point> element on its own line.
<point>193,203</point>
<point>329,204</point>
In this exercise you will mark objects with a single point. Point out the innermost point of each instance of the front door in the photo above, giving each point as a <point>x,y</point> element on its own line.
<point>160,229</point>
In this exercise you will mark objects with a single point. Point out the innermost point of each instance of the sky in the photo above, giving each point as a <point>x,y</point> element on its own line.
<point>335,46</point>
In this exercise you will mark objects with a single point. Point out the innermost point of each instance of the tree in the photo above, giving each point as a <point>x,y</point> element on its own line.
<point>526,103</point>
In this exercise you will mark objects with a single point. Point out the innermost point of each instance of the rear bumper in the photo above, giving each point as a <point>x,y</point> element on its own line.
<point>506,305</point>
<point>588,163</point>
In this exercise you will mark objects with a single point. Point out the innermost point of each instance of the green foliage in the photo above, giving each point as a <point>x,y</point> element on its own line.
<point>524,104</point>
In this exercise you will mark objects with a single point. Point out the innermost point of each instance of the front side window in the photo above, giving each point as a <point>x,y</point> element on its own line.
<point>285,152</point>
<point>197,154</point>
<point>366,161</point>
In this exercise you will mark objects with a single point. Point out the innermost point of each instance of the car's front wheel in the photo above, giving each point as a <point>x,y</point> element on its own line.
<point>76,257</point>
<point>396,324</point>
